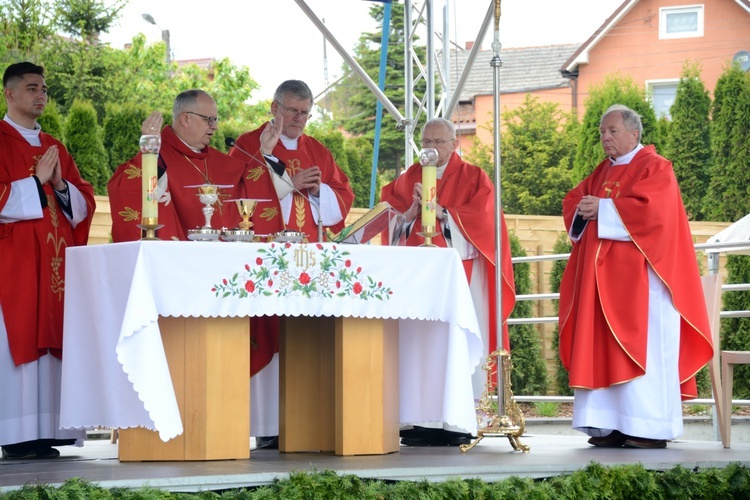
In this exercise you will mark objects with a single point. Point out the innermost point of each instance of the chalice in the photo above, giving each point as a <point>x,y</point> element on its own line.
<point>244,232</point>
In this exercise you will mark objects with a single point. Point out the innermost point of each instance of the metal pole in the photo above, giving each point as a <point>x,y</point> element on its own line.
<point>409,94</point>
<point>430,76</point>
<point>496,63</point>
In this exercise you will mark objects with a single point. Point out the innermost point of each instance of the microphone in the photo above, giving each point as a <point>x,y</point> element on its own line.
<point>230,142</point>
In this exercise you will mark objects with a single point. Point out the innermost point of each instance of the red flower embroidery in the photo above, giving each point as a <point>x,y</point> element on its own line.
<point>304,279</point>
<point>359,270</point>
<point>320,247</point>
<point>259,261</point>
<point>288,245</point>
<point>225,281</point>
<point>357,288</point>
<point>348,263</point>
<point>247,267</point>
<point>338,284</point>
<point>249,286</point>
<point>270,282</point>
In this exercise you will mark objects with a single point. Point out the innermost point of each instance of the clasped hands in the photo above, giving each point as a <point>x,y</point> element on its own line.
<point>588,207</point>
<point>308,178</point>
<point>48,169</point>
<point>416,204</point>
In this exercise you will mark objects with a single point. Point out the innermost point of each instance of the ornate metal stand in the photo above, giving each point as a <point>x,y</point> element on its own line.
<point>505,418</point>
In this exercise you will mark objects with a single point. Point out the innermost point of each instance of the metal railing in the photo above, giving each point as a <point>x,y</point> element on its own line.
<point>709,248</point>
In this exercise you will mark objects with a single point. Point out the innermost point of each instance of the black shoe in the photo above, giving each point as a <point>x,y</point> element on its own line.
<point>12,452</point>
<point>615,439</point>
<point>423,436</point>
<point>267,443</point>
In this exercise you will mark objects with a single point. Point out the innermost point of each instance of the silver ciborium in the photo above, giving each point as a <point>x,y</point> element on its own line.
<point>208,195</point>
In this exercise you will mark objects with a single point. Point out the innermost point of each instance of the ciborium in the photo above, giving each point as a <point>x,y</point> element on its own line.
<point>208,195</point>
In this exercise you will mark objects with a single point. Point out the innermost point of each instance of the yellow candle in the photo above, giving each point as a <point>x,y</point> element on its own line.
<point>429,187</point>
<point>149,203</point>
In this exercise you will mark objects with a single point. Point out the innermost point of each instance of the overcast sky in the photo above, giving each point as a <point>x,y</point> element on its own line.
<point>276,41</point>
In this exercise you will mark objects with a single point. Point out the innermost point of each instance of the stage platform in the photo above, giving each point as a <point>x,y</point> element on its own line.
<point>493,459</point>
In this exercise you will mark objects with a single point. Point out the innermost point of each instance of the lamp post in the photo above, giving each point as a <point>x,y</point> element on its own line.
<point>164,35</point>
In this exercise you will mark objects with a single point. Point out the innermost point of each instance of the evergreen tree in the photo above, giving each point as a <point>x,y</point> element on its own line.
<point>357,105</point>
<point>51,121</point>
<point>86,19</point>
<point>83,139</point>
<point>615,89</point>
<point>728,197</point>
<point>25,25</point>
<point>562,245</point>
<point>735,332</point>
<point>359,158</point>
<point>122,132</point>
<point>537,158</point>
<point>689,144</point>
<point>529,375</point>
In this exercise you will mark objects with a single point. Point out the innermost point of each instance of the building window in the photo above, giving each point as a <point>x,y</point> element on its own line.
<point>662,94</point>
<point>681,22</point>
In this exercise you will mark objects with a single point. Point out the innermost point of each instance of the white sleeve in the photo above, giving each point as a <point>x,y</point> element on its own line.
<point>78,205</point>
<point>610,225</point>
<point>23,202</point>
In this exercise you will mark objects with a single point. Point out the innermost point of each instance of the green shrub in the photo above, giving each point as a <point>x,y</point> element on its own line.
<point>529,375</point>
<point>83,139</point>
<point>122,131</point>
<point>562,245</point>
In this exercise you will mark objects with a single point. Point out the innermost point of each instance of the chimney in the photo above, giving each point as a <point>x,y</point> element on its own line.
<point>469,45</point>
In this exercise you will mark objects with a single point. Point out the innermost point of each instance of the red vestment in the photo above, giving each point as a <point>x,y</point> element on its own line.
<point>179,208</point>
<point>309,153</point>
<point>32,262</point>
<point>467,193</point>
<point>604,290</point>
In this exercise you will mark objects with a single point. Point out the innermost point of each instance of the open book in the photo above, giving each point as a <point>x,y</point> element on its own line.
<point>380,218</point>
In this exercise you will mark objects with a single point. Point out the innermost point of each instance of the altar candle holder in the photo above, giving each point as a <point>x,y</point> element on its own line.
<point>428,159</point>
<point>150,146</point>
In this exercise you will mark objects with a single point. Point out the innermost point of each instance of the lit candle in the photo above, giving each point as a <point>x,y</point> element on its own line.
<point>150,145</point>
<point>429,186</point>
<point>428,159</point>
<point>149,203</point>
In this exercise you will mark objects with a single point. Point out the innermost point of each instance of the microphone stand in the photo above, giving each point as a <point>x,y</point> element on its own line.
<point>233,144</point>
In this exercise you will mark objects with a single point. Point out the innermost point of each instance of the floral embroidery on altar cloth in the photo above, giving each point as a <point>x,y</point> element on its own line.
<point>302,270</point>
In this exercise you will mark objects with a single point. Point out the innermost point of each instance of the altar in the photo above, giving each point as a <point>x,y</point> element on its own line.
<point>115,371</point>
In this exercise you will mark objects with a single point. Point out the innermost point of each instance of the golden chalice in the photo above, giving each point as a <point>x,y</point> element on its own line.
<point>246,208</point>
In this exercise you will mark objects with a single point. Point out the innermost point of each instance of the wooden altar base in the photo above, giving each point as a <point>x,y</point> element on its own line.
<point>209,361</point>
<point>338,380</point>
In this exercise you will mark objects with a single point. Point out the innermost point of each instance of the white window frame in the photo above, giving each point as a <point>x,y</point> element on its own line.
<point>664,82</point>
<point>664,12</point>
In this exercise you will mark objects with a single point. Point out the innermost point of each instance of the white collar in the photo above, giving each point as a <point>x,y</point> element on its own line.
<point>31,135</point>
<point>626,158</point>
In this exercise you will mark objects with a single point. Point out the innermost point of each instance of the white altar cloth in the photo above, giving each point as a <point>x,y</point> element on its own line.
<point>115,373</point>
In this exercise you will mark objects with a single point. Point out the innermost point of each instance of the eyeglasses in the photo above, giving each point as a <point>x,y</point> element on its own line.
<point>295,111</point>
<point>210,120</point>
<point>436,142</point>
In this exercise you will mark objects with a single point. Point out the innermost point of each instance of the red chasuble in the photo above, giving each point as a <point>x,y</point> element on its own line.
<point>604,289</point>
<point>309,153</point>
<point>467,193</point>
<point>179,207</point>
<point>32,262</point>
